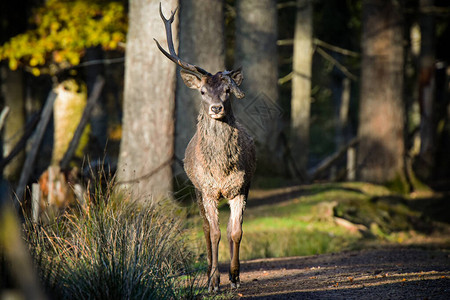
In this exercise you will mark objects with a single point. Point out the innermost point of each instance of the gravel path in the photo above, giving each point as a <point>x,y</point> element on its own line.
<point>389,273</point>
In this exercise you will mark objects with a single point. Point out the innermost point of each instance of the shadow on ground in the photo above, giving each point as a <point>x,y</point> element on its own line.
<point>392,273</point>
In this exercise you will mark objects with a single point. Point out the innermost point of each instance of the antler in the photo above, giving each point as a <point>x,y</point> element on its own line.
<point>173,55</point>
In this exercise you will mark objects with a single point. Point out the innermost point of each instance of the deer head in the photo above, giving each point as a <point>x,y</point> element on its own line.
<point>214,89</point>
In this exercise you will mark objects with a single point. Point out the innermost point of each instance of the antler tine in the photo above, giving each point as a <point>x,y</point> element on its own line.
<point>173,55</point>
<point>164,18</point>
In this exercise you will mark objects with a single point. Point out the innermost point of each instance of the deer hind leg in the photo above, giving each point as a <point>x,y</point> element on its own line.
<point>206,230</point>
<point>234,233</point>
<point>212,215</point>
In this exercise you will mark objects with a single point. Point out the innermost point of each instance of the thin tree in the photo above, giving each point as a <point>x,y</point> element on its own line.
<point>201,43</point>
<point>381,115</point>
<point>256,52</point>
<point>427,87</point>
<point>12,94</point>
<point>146,151</point>
<point>301,84</point>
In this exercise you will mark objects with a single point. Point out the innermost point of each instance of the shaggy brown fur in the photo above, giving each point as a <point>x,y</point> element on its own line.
<point>220,161</point>
<point>220,158</point>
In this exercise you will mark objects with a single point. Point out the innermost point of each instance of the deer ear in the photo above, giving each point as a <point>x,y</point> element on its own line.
<point>191,80</point>
<point>237,76</point>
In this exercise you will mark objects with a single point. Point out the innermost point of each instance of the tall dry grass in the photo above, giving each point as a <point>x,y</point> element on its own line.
<point>114,248</point>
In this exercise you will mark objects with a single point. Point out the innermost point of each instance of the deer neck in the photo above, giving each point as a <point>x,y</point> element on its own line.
<point>219,143</point>
<point>210,126</point>
<point>217,134</point>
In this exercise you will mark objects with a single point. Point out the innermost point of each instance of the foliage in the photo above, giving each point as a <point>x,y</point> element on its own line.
<point>63,30</point>
<point>114,248</point>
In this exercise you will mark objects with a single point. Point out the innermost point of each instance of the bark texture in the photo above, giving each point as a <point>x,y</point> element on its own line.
<point>149,99</point>
<point>427,94</point>
<point>201,43</point>
<point>13,95</point>
<point>68,108</point>
<point>381,115</point>
<point>256,53</point>
<point>301,84</point>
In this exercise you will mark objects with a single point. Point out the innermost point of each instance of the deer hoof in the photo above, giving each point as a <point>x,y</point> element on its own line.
<point>212,289</point>
<point>214,284</point>
<point>235,285</point>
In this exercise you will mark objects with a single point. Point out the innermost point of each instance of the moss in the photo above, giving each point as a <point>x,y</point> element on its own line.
<point>301,220</point>
<point>399,184</point>
<point>269,182</point>
<point>288,242</point>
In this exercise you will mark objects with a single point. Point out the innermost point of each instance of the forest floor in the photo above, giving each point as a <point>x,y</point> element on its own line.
<point>415,265</point>
<point>384,273</point>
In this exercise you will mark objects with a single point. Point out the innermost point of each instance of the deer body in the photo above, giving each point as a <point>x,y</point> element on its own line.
<point>220,161</point>
<point>220,158</point>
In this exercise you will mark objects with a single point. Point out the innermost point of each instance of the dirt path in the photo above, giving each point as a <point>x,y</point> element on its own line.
<point>390,273</point>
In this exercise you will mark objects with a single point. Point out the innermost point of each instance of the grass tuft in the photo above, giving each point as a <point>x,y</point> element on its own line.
<point>114,248</point>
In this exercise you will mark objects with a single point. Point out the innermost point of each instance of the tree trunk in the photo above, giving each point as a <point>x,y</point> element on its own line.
<point>68,108</point>
<point>202,43</point>
<point>427,86</point>
<point>99,115</point>
<point>13,96</point>
<point>147,149</point>
<point>343,108</point>
<point>301,84</point>
<point>256,53</point>
<point>381,115</point>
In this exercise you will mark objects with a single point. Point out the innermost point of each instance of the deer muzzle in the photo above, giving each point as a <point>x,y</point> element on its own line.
<point>216,111</point>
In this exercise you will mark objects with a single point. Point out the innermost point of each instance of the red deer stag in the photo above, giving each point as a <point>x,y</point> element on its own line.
<point>220,158</point>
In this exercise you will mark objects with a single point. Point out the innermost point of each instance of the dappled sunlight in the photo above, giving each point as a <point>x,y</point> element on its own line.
<point>325,218</point>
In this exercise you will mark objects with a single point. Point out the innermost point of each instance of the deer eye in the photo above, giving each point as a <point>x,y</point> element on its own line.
<point>202,92</point>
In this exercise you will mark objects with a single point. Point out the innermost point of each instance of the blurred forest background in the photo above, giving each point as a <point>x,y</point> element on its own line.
<point>336,91</point>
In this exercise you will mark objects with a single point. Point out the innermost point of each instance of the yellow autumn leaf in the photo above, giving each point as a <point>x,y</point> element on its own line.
<point>57,57</point>
<point>54,26</point>
<point>63,30</point>
<point>13,64</point>
<point>112,45</point>
<point>36,72</point>
<point>74,59</point>
<point>34,61</point>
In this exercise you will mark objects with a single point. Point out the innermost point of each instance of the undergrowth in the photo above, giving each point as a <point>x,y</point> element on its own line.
<point>114,248</point>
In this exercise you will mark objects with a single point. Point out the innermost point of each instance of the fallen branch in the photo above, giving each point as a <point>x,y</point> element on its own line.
<point>336,49</point>
<point>320,43</point>
<point>3,116</point>
<point>337,64</point>
<point>31,157</point>
<point>29,129</point>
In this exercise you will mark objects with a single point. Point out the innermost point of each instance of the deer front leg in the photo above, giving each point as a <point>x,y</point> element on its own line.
<point>212,214</point>
<point>234,233</point>
<point>206,229</point>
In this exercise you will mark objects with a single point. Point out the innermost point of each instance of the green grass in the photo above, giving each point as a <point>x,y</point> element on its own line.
<point>302,221</point>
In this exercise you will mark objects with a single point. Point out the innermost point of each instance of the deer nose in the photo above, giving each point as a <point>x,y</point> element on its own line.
<point>216,108</point>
